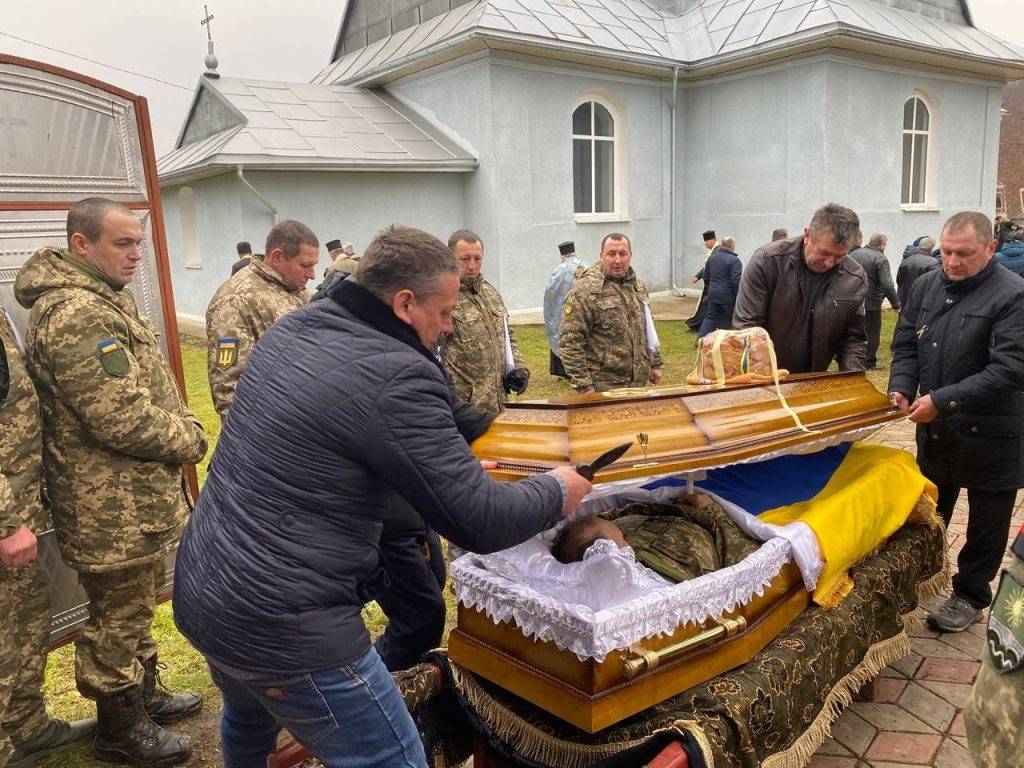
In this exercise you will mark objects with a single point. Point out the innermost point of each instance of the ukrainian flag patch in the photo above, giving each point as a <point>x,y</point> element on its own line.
<point>227,351</point>
<point>113,358</point>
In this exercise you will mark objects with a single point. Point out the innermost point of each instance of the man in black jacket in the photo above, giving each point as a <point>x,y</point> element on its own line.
<point>958,373</point>
<point>342,401</point>
<point>872,258</point>
<point>721,276</point>
<point>913,266</point>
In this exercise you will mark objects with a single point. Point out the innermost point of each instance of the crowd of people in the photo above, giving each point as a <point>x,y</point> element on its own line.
<point>344,452</point>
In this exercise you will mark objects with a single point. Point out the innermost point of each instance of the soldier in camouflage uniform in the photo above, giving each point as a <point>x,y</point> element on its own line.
<point>994,716</point>
<point>25,728</point>
<point>476,353</point>
<point>116,435</point>
<point>603,341</point>
<point>251,301</point>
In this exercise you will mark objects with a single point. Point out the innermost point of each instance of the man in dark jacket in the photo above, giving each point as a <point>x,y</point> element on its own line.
<point>959,350</point>
<point>872,258</point>
<point>721,275</point>
<point>913,266</point>
<point>695,321</point>
<point>809,295</point>
<point>342,401</point>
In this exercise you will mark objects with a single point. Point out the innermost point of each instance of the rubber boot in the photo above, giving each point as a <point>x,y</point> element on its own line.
<point>58,735</point>
<point>161,705</point>
<point>125,734</point>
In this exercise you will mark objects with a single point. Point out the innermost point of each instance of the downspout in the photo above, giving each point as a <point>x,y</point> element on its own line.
<point>259,195</point>
<point>675,289</point>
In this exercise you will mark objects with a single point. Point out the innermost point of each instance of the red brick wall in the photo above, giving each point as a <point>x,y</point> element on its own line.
<point>1011,146</point>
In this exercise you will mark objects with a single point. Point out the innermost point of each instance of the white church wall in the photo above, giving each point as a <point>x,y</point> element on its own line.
<point>764,149</point>
<point>516,113</point>
<point>220,227</point>
<point>347,206</point>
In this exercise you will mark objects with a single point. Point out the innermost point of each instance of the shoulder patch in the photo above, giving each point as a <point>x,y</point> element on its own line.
<point>567,310</point>
<point>113,358</point>
<point>580,271</point>
<point>227,351</point>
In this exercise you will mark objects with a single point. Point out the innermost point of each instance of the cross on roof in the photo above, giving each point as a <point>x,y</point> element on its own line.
<point>206,23</point>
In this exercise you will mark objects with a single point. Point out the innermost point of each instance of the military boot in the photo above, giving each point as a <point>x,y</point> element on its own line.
<point>125,734</point>
<point>162,706</point>
<point>58,735</point>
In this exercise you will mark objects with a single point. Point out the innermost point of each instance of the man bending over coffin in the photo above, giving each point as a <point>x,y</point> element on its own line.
<point>679,541</point>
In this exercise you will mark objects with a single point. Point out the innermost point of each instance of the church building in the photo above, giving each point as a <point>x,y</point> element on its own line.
<point>538,121</point>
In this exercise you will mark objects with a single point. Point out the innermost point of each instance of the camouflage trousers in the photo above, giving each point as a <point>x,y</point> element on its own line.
<point>994,716</point>
<point>24,635</point>
<point>117,638</point>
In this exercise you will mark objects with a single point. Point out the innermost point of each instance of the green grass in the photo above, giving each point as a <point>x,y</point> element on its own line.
<point>187,670</point>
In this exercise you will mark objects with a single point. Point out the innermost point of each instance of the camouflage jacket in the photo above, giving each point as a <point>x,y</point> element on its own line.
<point>242,309</point>
<point>682,541</point>
<point>21,440</point>
<point>115,430</point>
<point>603,339</point>
<point>474,352</point>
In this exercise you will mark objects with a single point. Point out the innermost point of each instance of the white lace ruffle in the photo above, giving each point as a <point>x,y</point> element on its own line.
<point>590,633</point>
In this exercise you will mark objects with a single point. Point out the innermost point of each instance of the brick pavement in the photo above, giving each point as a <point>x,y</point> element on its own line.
<point>916,716</point>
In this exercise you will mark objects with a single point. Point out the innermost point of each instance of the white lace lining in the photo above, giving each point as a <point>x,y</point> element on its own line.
<point>521,584</point>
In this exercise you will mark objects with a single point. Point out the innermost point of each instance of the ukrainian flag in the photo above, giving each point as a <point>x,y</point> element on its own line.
<point>853,497</point>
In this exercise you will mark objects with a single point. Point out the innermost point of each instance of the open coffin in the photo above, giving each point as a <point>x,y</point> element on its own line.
<point>595,663</point>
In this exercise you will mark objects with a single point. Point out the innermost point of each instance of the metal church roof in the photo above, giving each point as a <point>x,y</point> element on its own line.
<point>703,31</point>
<point>275,125</point>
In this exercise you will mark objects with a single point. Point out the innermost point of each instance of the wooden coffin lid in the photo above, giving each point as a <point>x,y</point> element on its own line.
<point>689,428</point>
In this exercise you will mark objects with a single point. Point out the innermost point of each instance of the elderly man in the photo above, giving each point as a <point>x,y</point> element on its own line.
<point>607,338</point>
<point>247,304</point>
<point>24,600</point>
<point>116,435</point>
<point>722,273</point>
<point>872,260</point>
<point>342,399</point>
<point>561,281</point>
<point>809,295</point>
<point>481,354</point>
<point>920,261</point>
<point>958,372</point>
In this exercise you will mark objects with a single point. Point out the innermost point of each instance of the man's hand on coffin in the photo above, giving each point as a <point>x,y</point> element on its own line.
<point>19,549</point>
<point>655,376</point>
<point>576,487</point>
<point>923,410</point>
<point>899,400</point>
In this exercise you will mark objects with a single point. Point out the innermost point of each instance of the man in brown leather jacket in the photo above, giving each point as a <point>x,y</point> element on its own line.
<point>809,295</point>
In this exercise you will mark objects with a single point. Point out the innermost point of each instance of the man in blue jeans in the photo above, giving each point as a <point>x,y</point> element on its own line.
<point>721,275</point>
<point>342,404</point>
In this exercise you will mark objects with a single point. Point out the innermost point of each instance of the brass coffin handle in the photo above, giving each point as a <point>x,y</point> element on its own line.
<point>645,660</point>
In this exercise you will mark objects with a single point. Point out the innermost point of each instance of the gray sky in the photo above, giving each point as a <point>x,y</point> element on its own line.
<point>268,39</point>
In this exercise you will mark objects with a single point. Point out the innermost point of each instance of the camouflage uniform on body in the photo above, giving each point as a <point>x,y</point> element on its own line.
<point>603,339</point>
<point>474,352</point>
<point>241,311</point>
<point>994,716</point>
<point>683,540</point>
<point>115,437</point>
<point>24,600</point>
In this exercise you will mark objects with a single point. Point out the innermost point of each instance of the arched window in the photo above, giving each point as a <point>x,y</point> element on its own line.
<point>917,126</point>
<point>593,158</point>
<point>189,228</point>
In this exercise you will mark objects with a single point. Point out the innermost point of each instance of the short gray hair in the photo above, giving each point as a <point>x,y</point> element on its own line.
<point>290,235</point>
<point>979,221</point>
<point>838,220</point>
<point>86,217</point>
<point>464,235</point>
<point>878,240</point>
<point>403,258</point>
<point>926,244</point>
<point>729,243</point>
<point>779,234</point>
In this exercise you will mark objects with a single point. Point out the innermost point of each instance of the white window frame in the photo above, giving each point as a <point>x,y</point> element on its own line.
<point>618,212</point>
<point>188,224</point>
<point>927,202</point>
